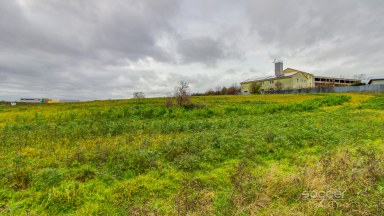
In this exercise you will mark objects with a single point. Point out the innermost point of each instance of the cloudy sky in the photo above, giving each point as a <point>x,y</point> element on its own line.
<point>100,49</point>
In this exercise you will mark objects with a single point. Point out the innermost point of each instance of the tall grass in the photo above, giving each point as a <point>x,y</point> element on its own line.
<point>239,155</point>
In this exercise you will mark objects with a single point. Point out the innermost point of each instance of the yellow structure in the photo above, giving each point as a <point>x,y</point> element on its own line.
<point>53,101</point>
<point>289,79</point>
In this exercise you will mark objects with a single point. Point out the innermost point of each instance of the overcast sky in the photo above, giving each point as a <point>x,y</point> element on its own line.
<point>101,49</point>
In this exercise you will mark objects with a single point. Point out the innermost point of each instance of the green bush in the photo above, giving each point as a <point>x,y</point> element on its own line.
<point>84,173</point>
<point>47,178</point>
<point>375,103</point>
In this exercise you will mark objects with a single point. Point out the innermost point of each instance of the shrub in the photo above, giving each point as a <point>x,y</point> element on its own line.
<point>254,88</point>
<point>374,103</point>
<point>140,161</point>
<point>187,162</point>
<point>191,199</point>
<point>85,173</point>
<point>47,178</point>
<point>20,176</point>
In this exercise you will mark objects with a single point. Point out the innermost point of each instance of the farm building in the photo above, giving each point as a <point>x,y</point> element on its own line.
<point>45,100</point>
<point>332,81</point>
<point>34,100</point>
<point>293,79</point>
<point>376,81</point>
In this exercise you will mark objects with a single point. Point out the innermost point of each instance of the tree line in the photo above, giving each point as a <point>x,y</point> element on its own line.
<point>232,90</point>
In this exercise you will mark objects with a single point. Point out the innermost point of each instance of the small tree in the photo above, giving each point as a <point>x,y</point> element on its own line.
<point>254,87</point>
<point>210,92</point>
<point>279,86</point>
<point>299,89</point>
<point>234,90</point>
<point>138,95</point>
<point>224,91</point>
<point>182,94</point>
<point>218,90</point>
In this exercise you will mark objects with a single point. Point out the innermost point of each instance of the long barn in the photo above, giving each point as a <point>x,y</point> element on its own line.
<point>293,79</point>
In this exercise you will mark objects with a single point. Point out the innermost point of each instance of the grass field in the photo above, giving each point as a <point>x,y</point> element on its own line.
<point>239,155</point>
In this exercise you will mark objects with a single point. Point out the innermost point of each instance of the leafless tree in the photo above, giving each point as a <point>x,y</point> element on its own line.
<point>254,87</point>
<point>299,89</point>
<point>360,76</point>
<point>218,90</point>
<point>234,89</point>
<point>138,95</point>
<point>279,86</point>
<point>182,94</point>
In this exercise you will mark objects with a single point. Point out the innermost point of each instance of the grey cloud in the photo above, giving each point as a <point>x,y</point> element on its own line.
<point>202,50</point>
<point>296,24</point>
<point>330,36</point>
<point>125,28</point>
<point>101,49</point>
<point>49,44</point>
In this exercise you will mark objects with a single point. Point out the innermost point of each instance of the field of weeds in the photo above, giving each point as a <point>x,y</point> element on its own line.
<point>313,154</point>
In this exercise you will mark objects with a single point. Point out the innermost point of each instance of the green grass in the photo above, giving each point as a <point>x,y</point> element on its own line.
<point>238,155</point>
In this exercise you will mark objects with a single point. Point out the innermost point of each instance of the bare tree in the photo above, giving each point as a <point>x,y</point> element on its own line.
<point>218,90</point>
<point>138,95</point>
<point>299,89</point>
<point>279,86</point>
<point>360,76</point>
<point>182,94</point>
<point>234,89</point>
<point>254,87</point>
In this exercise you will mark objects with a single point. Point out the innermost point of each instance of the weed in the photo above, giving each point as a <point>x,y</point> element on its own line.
<point>222,155</point>
<point>47,178</point>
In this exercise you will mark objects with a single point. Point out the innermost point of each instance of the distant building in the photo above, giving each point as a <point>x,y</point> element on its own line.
<point>379,81</point>
<point>289,79</point>
<point>53,101</point>
<point>45,100</point>
<point>68,101</point>
<point>331,81</point>
<point>34,100</point>
<point>293,79</point>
